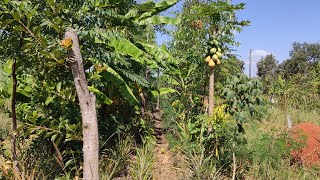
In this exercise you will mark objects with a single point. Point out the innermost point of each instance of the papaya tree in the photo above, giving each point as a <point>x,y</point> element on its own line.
<point>113,49</point>
<point>207,33</point>
<point>221,25</point>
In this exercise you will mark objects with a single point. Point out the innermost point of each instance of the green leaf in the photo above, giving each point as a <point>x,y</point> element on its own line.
<point>49,100</point>
<point>163,91</point>
<point>159,7</point>
<point>19,28</point>
<point>124,89</point>
<point>155,20</point>
<point>25,93</point>
<point>58,86</point>
<point>124,46</point>
<point>8,66</point>
<point>16,16</point>
<point>100,95</point>
<point>4,23</point>
<point>160,54</point>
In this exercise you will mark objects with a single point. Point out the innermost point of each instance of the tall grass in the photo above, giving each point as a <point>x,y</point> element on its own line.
<point>267,154</point>
<point>141,167</point>
<point>114,162</point>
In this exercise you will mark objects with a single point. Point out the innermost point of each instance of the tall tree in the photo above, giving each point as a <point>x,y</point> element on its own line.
<point>303,57</point>
<point>201,20</point>
<point>267,67</point>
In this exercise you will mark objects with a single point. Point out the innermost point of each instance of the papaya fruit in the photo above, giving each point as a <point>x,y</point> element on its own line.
<point>219,49</point>
<point>211,63</point>
<point>208,58</point>
<point>215,42</point>
<point>213,50</point>
<point>215,57</point>
<point>219,54</point>
<point>218,62</point>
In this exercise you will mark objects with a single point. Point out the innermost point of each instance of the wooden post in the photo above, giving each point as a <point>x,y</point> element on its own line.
<point>250,62</point>
<point>87,102</point>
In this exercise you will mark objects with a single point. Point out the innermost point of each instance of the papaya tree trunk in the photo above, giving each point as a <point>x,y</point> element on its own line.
<point>14,120</point>
<point>87,102</point>
<point>211,92</point>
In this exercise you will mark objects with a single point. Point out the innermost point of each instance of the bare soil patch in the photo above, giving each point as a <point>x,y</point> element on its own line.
<point>309,134</point>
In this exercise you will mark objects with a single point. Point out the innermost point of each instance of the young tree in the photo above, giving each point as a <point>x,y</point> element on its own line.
<point>267,67</point>
<point>204,21</point>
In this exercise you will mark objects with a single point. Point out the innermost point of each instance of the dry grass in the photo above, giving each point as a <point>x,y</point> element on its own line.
<point>4,121</point>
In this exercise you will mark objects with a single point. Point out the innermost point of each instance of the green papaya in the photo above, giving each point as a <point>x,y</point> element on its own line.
<point>213,50</point>
<point>219,54</point>
<point>216,43</point>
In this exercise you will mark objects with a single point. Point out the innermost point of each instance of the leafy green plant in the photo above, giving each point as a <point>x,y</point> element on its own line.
<point>241,96</point>
<point>207,151</point>
<point>114,162</point>
<point>141,166</point>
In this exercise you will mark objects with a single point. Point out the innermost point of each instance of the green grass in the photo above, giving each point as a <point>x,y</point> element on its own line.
<point>267,154</point>
<point>4,121</point>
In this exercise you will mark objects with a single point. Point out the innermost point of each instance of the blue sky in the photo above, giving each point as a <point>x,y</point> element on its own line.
<point>275,25</point>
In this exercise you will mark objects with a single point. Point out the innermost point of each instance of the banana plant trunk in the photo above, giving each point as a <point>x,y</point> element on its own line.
<point>211,92</point>
<point>87,102</point>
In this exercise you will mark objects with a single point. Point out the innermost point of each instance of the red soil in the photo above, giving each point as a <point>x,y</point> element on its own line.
<point>309,134</point>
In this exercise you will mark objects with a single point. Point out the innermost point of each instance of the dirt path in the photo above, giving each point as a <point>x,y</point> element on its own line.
<point>164,168</point>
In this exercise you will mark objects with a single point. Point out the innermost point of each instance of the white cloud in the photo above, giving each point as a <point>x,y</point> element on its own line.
<point>258,54</point>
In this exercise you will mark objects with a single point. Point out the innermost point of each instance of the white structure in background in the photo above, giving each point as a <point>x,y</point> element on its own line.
<point>289,123</point>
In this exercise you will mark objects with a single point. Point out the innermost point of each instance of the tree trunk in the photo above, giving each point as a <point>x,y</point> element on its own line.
<point>14,120</point>
<point>143,104</point>
<point>211,92</point>
<point>142,97</point>
<point>87,103</point>
<point>211,96</point>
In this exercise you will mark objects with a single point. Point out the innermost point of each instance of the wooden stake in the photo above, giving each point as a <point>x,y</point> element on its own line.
<point>250,62</point>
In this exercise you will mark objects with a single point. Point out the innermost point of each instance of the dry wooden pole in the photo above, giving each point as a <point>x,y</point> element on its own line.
<point>250,62</point>
<point>87,102</point>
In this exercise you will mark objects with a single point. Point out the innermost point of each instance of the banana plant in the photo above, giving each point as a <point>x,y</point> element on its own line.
<point>116,41</point>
